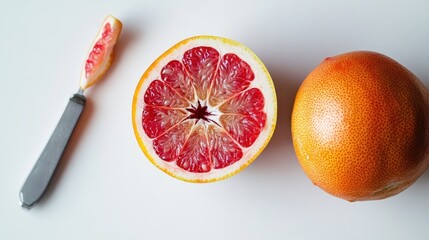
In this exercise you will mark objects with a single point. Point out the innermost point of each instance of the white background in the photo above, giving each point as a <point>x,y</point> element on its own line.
<point>105,187</point>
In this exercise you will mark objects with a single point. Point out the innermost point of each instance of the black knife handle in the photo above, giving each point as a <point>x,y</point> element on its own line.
<point>42,172</point>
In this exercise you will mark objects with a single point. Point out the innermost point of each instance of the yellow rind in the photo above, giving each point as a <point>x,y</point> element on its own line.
<point>155,63</point>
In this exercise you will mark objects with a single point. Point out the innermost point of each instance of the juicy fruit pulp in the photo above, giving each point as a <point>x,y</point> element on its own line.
<point>201,109</point>
<point>360,126</point>
<point>99,57</point>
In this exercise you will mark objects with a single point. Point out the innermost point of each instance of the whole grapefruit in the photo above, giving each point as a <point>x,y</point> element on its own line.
<point>360,126</point>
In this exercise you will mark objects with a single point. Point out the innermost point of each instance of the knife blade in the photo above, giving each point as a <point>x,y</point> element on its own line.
<point>97,62</point>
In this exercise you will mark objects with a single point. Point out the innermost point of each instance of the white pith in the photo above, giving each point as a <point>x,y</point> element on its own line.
<point>262,81</point>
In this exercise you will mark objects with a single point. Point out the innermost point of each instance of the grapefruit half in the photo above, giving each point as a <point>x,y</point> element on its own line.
<point>205,109</point>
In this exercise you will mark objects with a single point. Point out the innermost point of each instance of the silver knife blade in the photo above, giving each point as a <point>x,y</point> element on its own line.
<point>42,172</point>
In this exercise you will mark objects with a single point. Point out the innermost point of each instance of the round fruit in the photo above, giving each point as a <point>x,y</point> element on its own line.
<point>360,126</point>
<point>99,57</point>
<point>205,109</point>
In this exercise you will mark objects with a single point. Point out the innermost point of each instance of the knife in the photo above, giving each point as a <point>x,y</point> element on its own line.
<point>97,62</point>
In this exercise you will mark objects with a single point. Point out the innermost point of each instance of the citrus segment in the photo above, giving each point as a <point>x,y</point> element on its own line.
<point>249,102</point>
<point>99,57</point>
<point>175,76</point>
<point>224,151</point>
<point>234,75</point>
<point>244,117</point>
<point>205,109</point>
<point>169,145</point>
<point>98,52</point>
<point>157,120</point>
<point>242,128</point>
<point>201,63</point>
<point>160,94</point>
<point>195,156</point>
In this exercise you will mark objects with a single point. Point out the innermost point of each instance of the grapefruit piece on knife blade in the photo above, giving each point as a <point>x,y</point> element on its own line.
<point>99,58</point>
